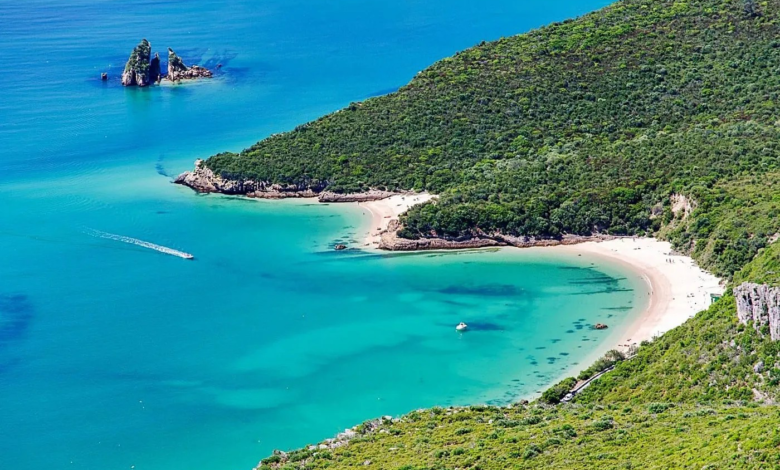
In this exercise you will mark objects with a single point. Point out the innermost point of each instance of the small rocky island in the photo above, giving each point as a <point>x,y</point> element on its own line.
<point>143,70</point>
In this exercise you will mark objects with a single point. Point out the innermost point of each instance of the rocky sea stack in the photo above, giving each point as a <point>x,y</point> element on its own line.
<point>177,70</point>
<point>138,65</point>
<point>143,70</point>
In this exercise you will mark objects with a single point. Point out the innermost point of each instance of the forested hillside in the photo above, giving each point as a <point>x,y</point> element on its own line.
<point>584,126</point>
<point>649,116</point>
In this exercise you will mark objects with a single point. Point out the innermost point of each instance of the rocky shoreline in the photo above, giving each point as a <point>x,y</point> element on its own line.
<point>389,240</point>
<point>203,180</point>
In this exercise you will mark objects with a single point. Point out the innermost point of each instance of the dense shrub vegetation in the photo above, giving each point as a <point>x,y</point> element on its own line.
<point>655,436</point>
<point>584,126</point>
<point>555,393</point>
<point>592,125</point>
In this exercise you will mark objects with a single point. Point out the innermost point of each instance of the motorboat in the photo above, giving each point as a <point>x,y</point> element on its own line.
<point>461,326</point>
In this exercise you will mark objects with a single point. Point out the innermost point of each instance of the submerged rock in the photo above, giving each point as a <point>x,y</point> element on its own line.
<point>136,71</point>
<point>177,70</point>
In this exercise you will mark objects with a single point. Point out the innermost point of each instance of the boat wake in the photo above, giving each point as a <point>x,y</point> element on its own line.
<point>141,243</point>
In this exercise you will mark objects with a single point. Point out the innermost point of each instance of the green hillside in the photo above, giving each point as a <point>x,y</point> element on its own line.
<point>690,399</point>
<point>647,117</point>
<point>653,436</point>
<point>583,126</point>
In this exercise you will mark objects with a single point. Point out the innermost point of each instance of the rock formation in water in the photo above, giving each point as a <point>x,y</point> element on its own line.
<point>177,70</point>
<point>760,304</point>
<point>143,70</point>
<point>136,71</point>
<point>155,74</point>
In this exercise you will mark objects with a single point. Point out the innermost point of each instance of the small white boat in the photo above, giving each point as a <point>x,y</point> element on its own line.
<point>461,326</point>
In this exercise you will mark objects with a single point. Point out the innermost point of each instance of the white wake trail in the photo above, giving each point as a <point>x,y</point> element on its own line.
<point>135,241</point>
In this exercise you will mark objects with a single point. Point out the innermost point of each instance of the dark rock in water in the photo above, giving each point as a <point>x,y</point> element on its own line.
<point>155,74</point>
<point>137,68</point>
<point>177,70</point>
<point>104,76</point>
<point>340,247</point>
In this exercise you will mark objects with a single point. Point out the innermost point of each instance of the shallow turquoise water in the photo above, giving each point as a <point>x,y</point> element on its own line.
<point>113,355</point>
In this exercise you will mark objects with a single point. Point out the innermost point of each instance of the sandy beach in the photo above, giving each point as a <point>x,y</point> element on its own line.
<point>385,210</point>
<point>679,289</point>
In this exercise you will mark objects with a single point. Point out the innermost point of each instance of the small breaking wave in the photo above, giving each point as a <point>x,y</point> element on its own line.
<point>141,243</point>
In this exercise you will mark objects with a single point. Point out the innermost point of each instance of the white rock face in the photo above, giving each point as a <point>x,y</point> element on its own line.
<point>760,304</point>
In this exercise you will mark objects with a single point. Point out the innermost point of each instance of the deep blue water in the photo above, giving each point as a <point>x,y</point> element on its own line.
<point>113,355</point>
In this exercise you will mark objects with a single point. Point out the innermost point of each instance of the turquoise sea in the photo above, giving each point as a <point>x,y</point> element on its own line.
<point>115,356</point>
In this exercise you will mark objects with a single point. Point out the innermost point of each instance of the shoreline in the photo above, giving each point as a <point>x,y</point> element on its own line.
<point>383,211</point>
<point>678,287</point>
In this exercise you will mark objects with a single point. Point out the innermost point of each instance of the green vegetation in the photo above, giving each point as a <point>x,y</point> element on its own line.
<point>139,59</point>
<point>609,359</point>
<point>655,436</point>
<point>649,116</point>
<point>555,393</point>
<point>707,359</point>
<point>584,126</point>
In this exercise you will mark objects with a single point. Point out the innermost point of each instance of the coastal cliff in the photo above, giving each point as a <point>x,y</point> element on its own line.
<point>759,303</point>
<point>203,180</point>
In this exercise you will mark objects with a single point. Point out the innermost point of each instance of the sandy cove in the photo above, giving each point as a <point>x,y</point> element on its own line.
<point>678,287</point>
<point>382,211</point>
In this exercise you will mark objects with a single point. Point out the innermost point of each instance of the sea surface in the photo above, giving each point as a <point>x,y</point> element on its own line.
<point>117,355</point>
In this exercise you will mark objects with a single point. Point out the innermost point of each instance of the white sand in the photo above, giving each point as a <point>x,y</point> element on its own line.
<point>678,288</point>
<point>385,210</point>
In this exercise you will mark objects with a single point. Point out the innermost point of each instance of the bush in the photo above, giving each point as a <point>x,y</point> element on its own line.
<point>609,359</point>
<point>555,393</point>
<point>531,451</point>
<point>656,408</point>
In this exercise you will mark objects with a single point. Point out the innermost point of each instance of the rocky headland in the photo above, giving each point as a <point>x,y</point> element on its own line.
<point>202,179</point>
<point>143,70</point>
